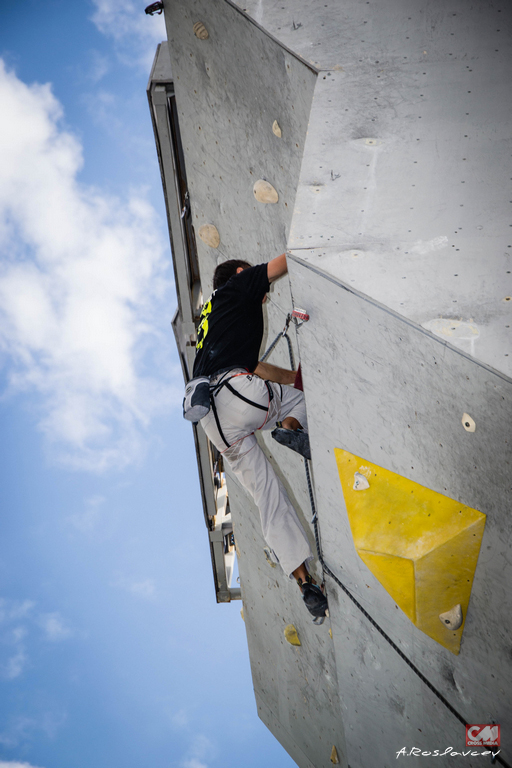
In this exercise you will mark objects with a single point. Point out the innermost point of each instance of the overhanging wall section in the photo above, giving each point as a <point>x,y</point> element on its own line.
<point>406,184</point>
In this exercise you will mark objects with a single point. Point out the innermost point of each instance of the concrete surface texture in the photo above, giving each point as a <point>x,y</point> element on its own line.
<point>393,179</point>
<point>406,184</point>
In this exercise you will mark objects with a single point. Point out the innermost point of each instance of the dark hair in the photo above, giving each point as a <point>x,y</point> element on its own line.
<point>226,270</point>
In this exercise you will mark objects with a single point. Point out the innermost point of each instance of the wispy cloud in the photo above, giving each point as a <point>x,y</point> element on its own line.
<point>18,619</point>
<point>15,764</point>
<point>180,719</point>
<point>84,290</point>
<point>14,665</point>
<point>19,729</point>
<point>13,610</point>
<point>134,33</point>
<point>200,749</point>
<point>145,588</point>
<point>12,636</point>
<point>99,66</point>
<point>87,520</point>
<point>54,627</point>
<point>194,763</point>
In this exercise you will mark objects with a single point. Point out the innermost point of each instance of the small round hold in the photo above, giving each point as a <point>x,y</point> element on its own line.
<point>276,129</point>
<point>265,192</point>
<point>200,31</point>
<point>468,423</point>
<point>209,235</point>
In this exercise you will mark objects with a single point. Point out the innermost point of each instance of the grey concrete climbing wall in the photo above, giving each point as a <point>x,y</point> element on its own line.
<point>231,90</point>
<point>391,164</point>
<point>400,396</point>
<point>406,185</point>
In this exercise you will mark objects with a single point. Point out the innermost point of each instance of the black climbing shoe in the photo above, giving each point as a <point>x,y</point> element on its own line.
<point>297,440</point>
<point>315,601</point>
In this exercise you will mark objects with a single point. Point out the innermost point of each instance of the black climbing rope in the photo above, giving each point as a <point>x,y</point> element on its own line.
<point>326,570</point>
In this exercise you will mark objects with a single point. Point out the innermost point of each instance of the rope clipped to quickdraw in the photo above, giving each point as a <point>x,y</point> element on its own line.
<point>282,334</point>
<point>327,571</point>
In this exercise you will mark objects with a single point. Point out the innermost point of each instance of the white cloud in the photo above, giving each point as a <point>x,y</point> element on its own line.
<point>54,626</point>
<point>22,728</point>
<point>83,290</point>
<point>99,67</point>
<point>15,636</point>
<point>14,658</point>
<point>200,749</point>
<point>180,718</point>
<point>145,588</point>
<point>194,763</point>
<point>87,520</point>
<point>15,764</point>
<point>135,34</point>
<point>14,665</point>
<point>13,610</point>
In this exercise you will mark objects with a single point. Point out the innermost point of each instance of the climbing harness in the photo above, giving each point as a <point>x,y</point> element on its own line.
<point>495,758</point>
<point>214,391</point>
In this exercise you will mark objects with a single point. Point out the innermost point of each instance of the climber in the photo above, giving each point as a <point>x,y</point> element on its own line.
<point>247,395</point>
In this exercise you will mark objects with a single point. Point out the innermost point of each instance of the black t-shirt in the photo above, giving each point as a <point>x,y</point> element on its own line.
<point>231,327</point>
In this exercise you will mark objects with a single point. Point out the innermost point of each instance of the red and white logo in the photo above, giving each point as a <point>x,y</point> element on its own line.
<point>482,735</point>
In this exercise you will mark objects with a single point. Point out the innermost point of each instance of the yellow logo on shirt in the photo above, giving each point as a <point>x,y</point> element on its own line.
<point>202,330</point>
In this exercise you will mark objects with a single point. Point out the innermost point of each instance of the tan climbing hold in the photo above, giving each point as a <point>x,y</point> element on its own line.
<point>468,423</point>
<point>330,633</point>
<point>334,756</point>
<point>291,635</point>
<point>276,129</point>
<point>265,192</point>
<point>210,235</point>
<point>200,31</point>
<point>242,614</point>
<point>453,618</point>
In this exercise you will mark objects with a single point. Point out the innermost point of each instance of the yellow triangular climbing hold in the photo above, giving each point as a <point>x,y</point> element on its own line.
<point>422,546</point>
<point>334,756</point>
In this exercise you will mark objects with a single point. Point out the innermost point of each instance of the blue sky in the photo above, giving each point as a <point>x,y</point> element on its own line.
<point>113,652</point>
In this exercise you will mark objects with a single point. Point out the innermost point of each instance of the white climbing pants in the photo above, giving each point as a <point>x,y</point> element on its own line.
<point>281,527</point>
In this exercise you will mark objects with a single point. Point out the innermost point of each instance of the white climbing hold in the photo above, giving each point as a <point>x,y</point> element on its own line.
<point>291,635</point>
<point>468,423</point>
<point>265,192</point>
<point>276,129</point>
<point>200,31</point>
<point>360,482</point>
<point>209,235</point>
<point>452,619</point>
